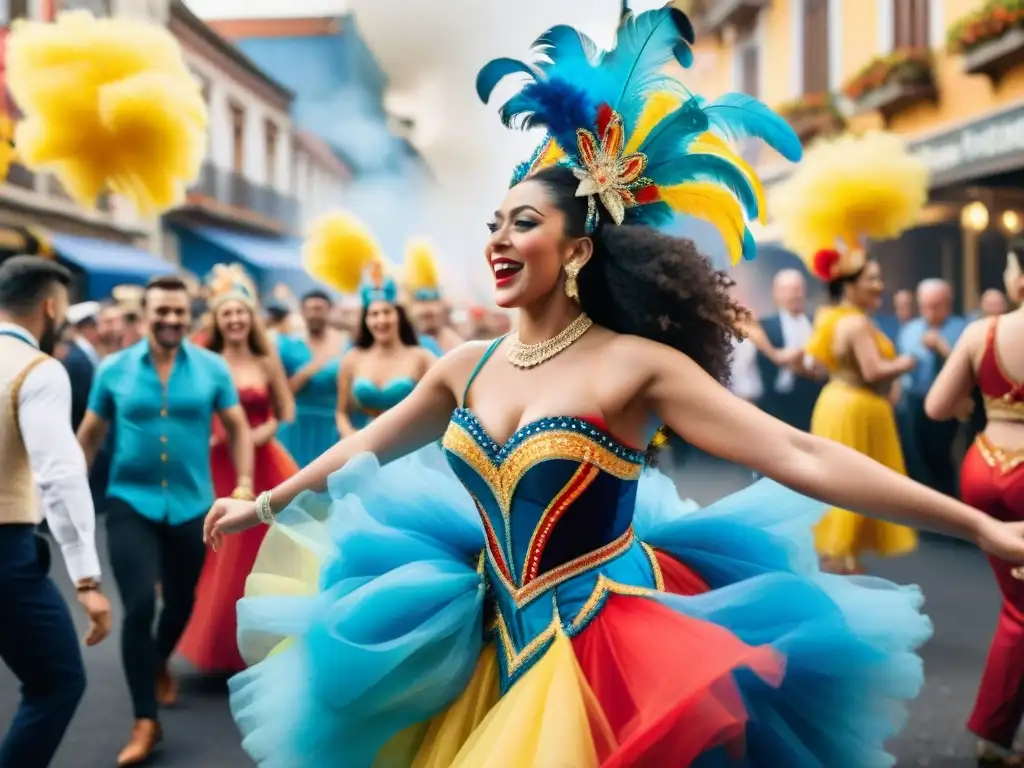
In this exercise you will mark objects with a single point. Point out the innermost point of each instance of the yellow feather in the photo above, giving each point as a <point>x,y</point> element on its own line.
<point>420,266</point>
<point>659,106</point>
<point>551,155</point>
<point>712,144</point>
<point>853,187</point>
<point>707,201</point>
<point>338,250</point>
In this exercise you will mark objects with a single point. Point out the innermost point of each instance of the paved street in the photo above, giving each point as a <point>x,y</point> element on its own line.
<point>200,733</point>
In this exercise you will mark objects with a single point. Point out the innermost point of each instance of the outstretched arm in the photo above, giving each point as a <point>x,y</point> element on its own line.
<point>707,415</point>
<point>955,381</point>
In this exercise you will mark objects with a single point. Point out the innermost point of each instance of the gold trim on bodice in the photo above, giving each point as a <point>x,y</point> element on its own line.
<point>1005,408</point>
<point>546,445</point>
<point>1000,459</point>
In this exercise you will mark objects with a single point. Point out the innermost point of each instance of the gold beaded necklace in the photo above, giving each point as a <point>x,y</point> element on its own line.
<point>531,355</point>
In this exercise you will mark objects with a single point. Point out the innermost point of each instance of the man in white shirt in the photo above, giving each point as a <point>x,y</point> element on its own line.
<point>41,462</point>
<point>788,396</point>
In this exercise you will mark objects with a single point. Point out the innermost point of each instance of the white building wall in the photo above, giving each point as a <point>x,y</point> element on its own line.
<point>318,188</point>
<point>224,92</point>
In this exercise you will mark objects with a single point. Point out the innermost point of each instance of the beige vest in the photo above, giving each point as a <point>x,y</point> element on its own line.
<point>19,500</point>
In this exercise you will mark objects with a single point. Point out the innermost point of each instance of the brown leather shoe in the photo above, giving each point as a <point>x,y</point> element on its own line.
<point>166,688</point>
<point>146,734</point>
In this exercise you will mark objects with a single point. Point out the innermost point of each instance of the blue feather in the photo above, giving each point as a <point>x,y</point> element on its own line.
<point>683,54</point>
<point>684,25</point>
<point>560,106</point>
<point>495,71</point>
<point>738,116</point>
<point>686,167</point>
<point>565,45</point>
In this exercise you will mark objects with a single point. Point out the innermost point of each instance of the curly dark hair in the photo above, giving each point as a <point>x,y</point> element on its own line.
<point>643,282</point>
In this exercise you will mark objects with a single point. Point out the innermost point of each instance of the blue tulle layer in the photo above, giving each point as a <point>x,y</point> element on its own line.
<point>848,641</point>
<point>394,630</point>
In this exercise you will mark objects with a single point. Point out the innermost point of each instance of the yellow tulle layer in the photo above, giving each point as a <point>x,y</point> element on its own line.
<point>107,103</point>
<point>864,421</point>
<point>546,719</point>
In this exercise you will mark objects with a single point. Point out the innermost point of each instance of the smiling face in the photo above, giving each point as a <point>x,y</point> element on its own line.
<point>382,321</point>
<point>168,315</point>
<point>528,247</point>
<point>234,321</point>
<point>866,291</point>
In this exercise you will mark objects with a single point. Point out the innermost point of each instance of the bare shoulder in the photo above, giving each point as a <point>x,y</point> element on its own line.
<point>638,355</point>
<point>855,322</point>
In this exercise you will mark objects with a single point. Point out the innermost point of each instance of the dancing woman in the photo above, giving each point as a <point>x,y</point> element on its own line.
<point>990,356</point>
<point>844,192</point>
<point>386,360</point>
<point>554,604</point>
<point>429,311</point>
<point>236,334</point>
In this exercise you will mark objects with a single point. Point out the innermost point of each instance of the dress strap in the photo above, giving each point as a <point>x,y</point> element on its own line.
<point>479,365</point>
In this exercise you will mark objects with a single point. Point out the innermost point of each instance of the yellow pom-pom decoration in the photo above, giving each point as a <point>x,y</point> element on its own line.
<point>108,104</point>
<point>338,251</point>
<point>421,273</point>
<point>849,189</point>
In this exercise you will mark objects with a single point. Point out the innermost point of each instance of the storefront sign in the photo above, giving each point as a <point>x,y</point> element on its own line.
<point>988,146</point>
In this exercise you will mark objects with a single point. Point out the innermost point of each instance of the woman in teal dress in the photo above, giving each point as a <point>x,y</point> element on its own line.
<point>386,359</point>
<point>544,599</point>
<point>311,362</point>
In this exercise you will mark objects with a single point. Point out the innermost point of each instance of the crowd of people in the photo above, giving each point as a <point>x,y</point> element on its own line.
<point>418,550</point>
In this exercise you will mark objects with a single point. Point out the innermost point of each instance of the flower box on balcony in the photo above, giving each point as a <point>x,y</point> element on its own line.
<point>813,115</point>
<point>995,58</point>
<point>890,84</point>
<point>991,38</point>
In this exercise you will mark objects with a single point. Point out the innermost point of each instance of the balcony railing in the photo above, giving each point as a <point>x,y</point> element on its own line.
<point>234,190</point>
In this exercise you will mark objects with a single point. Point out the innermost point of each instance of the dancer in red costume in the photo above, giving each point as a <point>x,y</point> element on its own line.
<point>990,354</point>
<point>236,334</point>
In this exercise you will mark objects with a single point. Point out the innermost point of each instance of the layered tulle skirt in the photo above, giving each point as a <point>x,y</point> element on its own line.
<point>365,619</point>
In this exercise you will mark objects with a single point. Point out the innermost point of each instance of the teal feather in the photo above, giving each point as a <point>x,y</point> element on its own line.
<point>749,245</point>
<point>495,71</point>
<point>670,136</point>
<point>737,116</point>
<point>686,167</point>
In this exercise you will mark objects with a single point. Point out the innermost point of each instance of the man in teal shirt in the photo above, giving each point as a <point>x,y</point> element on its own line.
<point>160,396</point>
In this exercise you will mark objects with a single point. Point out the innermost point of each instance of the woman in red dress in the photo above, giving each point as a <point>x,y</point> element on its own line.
<point>990,355</point>
<point>238,336</point>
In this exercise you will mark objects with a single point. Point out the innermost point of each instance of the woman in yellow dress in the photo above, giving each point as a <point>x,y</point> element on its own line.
<point>847,191</point>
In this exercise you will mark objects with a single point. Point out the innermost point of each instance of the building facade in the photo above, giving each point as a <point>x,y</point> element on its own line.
<point>947,74</point>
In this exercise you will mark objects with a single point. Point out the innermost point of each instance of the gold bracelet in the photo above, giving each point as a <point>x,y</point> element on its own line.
<point>242,493</point>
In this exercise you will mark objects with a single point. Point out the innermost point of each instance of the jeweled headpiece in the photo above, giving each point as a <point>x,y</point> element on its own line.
<point>229,282</point>
<point>845,193</point>
<point>422,280</point>
<point>643,147</point>
<point>378,285</point>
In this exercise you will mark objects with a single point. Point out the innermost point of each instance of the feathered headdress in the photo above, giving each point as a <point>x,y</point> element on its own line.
<point>643,147</point>
<point>128,297</point>
<point>107,103</point>
<point>229,282</point>
<point>422,279</point>
<point>848,191</point>
<point>341,252</point>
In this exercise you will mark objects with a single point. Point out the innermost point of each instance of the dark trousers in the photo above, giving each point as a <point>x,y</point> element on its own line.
<point>932,444</point>
<point>39,644</point>
<point>142,554</point>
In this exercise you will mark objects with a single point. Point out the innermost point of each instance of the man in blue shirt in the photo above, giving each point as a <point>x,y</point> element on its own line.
<point>930,339</point>
<point>160,396</point>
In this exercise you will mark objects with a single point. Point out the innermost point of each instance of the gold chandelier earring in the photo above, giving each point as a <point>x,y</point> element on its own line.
<point>572,271</point>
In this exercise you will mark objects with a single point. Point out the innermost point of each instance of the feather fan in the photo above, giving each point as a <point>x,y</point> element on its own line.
<point>339,250</point>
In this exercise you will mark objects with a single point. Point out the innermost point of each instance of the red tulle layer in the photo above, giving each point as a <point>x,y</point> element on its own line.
<point>664,681</point>
<point>210,642</point>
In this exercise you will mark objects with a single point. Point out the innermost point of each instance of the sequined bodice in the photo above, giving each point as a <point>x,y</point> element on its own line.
<point>557,505</point>
<point>374,399</point>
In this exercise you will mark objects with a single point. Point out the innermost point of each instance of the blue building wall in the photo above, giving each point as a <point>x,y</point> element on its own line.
<point>339,95</point>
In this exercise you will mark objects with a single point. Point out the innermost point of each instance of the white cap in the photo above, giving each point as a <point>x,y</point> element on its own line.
<point>87,310</point>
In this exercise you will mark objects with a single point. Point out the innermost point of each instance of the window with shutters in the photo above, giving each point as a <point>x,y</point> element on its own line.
<point>816,75</point>
<point>910,24</point>
<point>272,134</point>
<point>748,64</point>
<point>13,9</point>
<point>238,139</point>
